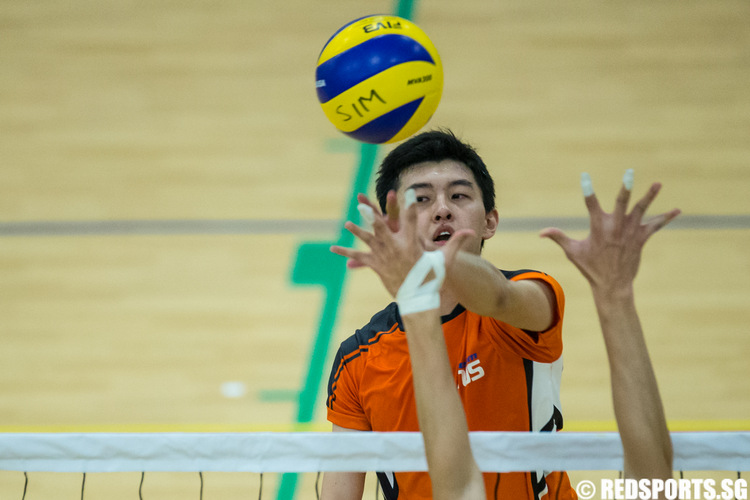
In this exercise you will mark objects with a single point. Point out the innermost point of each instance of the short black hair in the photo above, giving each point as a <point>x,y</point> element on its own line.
<point>434,146</point>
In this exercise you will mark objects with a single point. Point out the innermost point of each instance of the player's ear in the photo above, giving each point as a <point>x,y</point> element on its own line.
<point>491,220</point>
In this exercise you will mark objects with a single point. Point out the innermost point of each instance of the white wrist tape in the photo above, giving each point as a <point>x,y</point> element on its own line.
<point>416,296</point>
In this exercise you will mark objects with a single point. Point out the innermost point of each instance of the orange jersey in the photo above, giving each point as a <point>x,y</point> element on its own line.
<point>508,380</point>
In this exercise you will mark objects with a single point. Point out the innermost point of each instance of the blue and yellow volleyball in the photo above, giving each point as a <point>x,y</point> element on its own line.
<point>379,79</point>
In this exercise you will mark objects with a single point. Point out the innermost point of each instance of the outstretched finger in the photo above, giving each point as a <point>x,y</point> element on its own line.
<point>392,210</point>
<point>623,197</point>
<point>382,234</point>
<point>455,243</point>
<point>364,200</point>
<point>410,209</point>
<point>356,258</point>
<point>355,264</point>
<point>659,221</point>
<point>366,216</point>
<point>640,208</point>
<point>558,236</point>
<point>365,236</point>
<point>592,202</point>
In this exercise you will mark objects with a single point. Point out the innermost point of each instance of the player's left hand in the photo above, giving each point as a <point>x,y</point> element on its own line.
<point>394,245</point>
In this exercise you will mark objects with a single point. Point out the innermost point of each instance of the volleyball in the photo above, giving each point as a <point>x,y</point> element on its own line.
<point>379,79</point>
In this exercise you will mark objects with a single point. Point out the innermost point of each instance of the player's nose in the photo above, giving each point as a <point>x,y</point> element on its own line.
<point>441,210</point>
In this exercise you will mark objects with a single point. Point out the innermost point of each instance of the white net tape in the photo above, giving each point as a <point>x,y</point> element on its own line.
<point>350,451</point>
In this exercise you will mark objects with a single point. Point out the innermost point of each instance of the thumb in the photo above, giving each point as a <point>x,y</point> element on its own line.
<point>557,236</point>
<point>456,241</point>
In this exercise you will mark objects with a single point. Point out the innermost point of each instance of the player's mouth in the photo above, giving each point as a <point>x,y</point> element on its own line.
<point>442,235</point>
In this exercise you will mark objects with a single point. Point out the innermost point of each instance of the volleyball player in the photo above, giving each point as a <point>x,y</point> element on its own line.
<point>609,259</point>
<point>502,329</point>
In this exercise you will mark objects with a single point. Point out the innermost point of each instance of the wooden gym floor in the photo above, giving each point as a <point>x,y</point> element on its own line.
<point>161,163</point>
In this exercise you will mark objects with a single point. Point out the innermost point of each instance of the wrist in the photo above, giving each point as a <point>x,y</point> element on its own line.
<point>417,317</point>
<point>613,295</point>
<point>617,313</point>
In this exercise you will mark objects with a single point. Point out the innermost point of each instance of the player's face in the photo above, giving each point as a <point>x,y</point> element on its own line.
<point>448,199</point>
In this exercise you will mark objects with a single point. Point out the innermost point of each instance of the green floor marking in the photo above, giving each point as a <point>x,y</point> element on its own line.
<point>405,9</point>
<point>316,265</point>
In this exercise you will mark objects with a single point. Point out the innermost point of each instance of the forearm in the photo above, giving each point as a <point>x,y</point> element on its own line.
<point>342,485</point>
<point>637,404</point>
<point>482,288</point>
<point>441,417</point>
<point>476,283</point>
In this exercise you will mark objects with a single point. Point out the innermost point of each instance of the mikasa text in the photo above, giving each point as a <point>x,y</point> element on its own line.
<point>369,28</point>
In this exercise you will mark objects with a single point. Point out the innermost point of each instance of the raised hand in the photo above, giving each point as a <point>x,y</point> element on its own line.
<point>393,244</point>
<point>610,256</point>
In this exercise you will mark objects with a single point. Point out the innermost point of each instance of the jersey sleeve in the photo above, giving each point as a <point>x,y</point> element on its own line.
<point>343,403</point>
<point>544,347</point>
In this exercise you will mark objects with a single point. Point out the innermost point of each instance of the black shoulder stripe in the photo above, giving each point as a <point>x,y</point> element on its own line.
<point>511,274</point>
<point>383,322</point>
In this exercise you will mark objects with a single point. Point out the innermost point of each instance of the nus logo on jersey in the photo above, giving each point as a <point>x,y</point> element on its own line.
<point>469,370</point>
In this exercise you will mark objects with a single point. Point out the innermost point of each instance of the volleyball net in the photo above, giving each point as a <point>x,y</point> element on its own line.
<point>316,452</point>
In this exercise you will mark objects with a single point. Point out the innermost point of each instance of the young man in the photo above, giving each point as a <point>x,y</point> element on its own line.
<point>609,258</point>
<point>502,328</point>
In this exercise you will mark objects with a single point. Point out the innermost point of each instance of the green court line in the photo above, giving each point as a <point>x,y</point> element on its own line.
<point>278,395</point>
